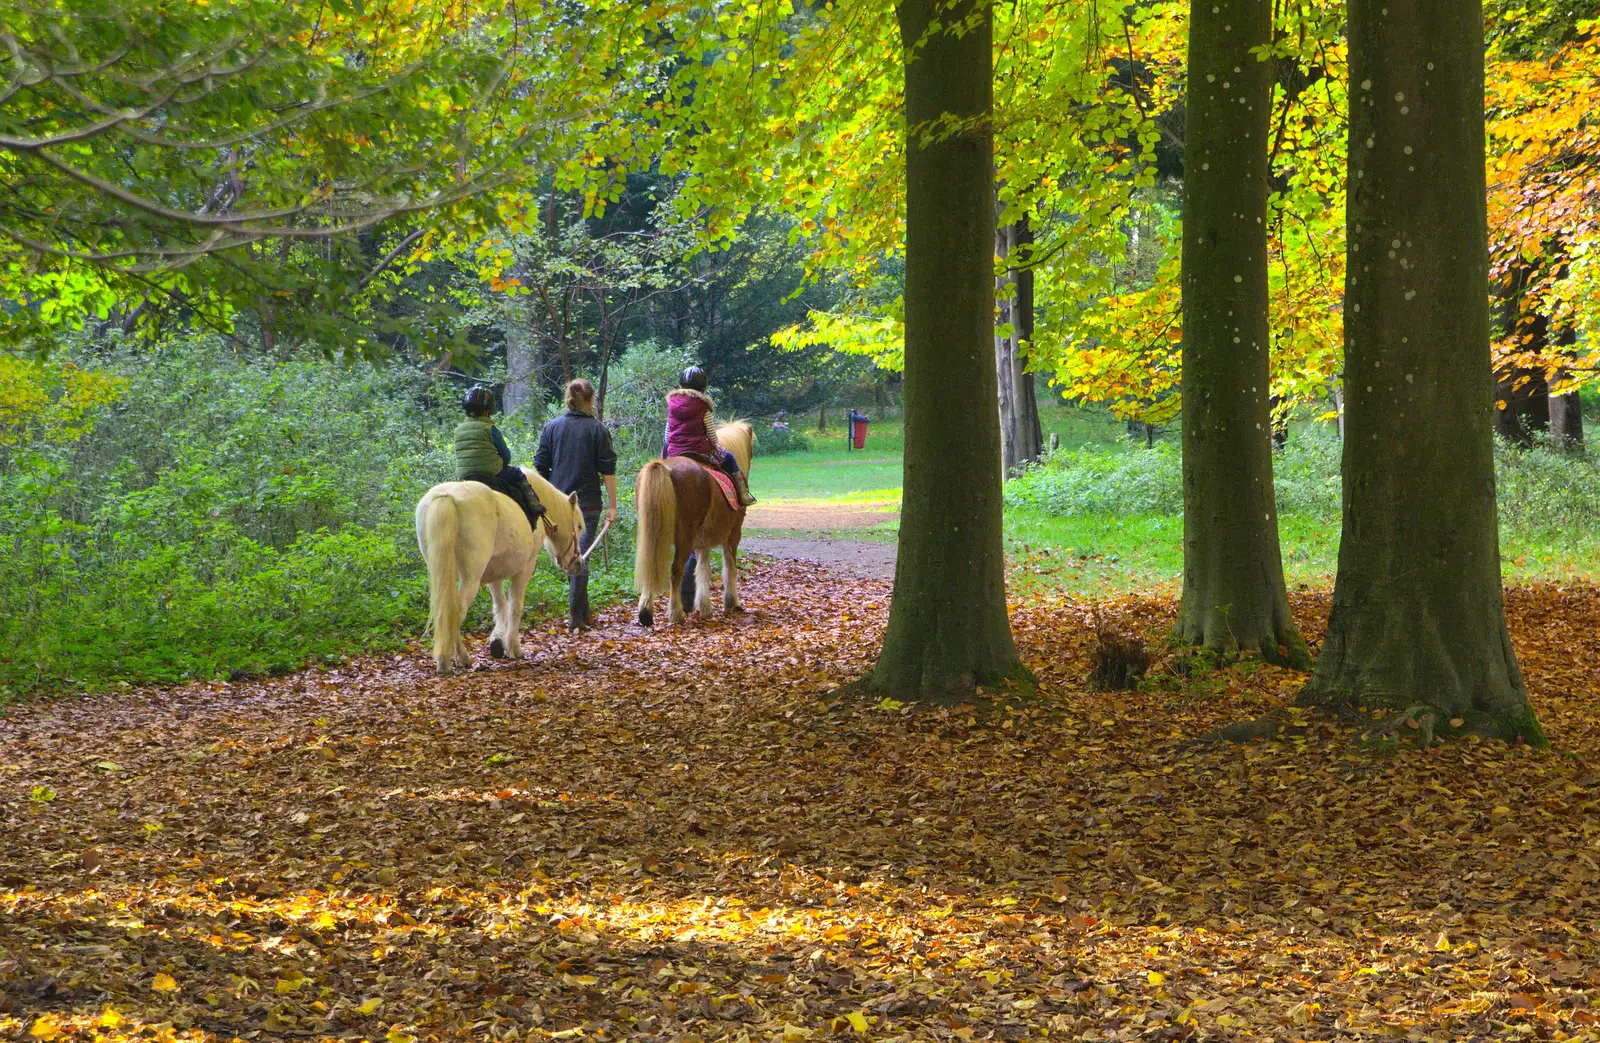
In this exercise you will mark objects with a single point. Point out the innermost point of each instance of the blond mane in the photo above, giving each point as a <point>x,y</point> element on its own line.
<point>739,438</point>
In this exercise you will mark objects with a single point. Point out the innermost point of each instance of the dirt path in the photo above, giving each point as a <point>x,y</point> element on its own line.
<point>822,544</point>
<point>679,834</point>
<point>820,516</point>
<point>864,558</point>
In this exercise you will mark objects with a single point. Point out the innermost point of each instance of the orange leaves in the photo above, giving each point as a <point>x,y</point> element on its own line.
<point>698,836</point>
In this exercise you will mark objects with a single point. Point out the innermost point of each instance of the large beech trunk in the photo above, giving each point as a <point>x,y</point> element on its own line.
<point>1418,618</point>
<point>948,631</point>
<point>1021,436</point>
<point>1233,590</point>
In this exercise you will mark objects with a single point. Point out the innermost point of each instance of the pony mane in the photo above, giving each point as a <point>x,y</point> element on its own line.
<point>739,438</point>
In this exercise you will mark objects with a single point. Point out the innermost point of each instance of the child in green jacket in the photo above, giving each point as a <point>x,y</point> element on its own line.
<point>482,456</point>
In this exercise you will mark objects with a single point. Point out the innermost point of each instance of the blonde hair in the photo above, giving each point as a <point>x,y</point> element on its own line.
<point>580,396</point>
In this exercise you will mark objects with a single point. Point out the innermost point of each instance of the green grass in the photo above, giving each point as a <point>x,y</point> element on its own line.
<point>829,473</point>
<point>1112,554</point>
<point>1104,554</point>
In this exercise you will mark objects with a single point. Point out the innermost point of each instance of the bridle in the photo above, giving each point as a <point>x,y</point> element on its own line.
<point>583,558</point>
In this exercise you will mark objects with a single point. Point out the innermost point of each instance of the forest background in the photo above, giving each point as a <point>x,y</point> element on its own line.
<point>252,258</point>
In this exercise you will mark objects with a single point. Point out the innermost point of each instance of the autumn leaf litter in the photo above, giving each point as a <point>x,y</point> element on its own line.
<point>681,835</point>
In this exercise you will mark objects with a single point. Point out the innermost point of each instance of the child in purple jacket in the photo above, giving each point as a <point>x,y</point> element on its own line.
<point>689,430</point>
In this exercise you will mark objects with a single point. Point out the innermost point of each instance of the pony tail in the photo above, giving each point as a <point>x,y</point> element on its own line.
<point>438,526</point>
<point>657,505</point>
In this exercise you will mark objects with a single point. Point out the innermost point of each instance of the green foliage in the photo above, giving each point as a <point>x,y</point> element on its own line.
<point>1087,481</point>
<point>636,402</point>
<point>776,443</point>
<point>1548,490</point>
<point>1541,490</point>
<point>225,516</point>
<point>239,154</point>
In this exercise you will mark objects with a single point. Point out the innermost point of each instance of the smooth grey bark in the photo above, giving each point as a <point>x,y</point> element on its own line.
<point>1566,420</point>
<point>1234,598</point>
<point>522,360</point>
<point>948,631</point>
<point>1418,618</point>
<point>1021,436</point>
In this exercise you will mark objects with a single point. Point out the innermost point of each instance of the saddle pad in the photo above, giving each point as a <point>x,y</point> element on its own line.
<point>727,488</point>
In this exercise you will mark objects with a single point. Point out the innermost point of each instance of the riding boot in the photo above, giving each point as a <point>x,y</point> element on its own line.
<point>742,486</point>
<point>527,499</point>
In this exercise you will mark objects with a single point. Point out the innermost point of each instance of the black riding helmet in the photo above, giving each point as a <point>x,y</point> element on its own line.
<point>694,378</point>
<point>478,402</point>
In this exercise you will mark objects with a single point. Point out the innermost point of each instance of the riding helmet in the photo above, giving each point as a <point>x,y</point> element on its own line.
<point>478,402</point>
<point>694,378</point>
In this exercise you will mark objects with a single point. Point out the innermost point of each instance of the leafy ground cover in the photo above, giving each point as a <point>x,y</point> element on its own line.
<point>682,835</point>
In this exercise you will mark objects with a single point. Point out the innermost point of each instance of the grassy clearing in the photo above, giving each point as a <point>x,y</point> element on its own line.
<point>831,473</point>
<point>1105,516</point>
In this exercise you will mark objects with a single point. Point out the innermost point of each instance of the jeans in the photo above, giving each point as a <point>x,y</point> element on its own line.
<point>578,585</point>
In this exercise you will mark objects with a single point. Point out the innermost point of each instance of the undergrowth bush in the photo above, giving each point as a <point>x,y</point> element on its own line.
<point>1540,490</point>
<point>774,443</point>
<point>225,515</point>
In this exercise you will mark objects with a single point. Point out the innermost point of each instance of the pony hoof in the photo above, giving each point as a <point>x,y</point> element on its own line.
<point>497,648</point>
<point>646,617</point>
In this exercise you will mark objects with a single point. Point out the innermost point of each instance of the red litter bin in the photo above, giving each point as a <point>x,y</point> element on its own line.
<point>858,430</point>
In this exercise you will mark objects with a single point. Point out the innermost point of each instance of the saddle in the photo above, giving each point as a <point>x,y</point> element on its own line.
<point>725,483</point>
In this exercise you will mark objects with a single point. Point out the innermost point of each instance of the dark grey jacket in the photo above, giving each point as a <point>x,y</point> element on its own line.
<point>574,452</point>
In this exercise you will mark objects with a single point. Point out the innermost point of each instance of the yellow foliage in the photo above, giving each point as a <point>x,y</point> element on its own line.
<point>48,401</point>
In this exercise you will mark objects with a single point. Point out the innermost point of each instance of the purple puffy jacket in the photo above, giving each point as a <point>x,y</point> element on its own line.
<point>688,424</point>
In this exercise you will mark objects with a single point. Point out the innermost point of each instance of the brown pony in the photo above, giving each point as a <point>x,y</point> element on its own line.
<point>682,511</point>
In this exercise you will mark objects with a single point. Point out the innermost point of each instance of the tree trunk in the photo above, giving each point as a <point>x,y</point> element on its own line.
<point>1418,617</point>
<point>1021,438</point>
<point>1234,598</point>
<point>522,363</point>
<point>608,336</point>
<point>1521,395</point>
<point>1526,410</point>
<point>1566,410</point>
<point>948,632</point>
<point>1566,420</point>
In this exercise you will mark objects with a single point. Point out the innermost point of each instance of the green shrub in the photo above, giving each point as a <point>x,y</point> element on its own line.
<point>1542,489</point>
<point>1089,481</point>
<point>773,443</point>
<point>228,515</point>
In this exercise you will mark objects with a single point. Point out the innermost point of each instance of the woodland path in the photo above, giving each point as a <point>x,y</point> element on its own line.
<point>679,834</point>
<point>816,533</point>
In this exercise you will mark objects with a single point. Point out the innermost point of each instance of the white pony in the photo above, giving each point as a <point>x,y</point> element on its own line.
<point>471,535</point>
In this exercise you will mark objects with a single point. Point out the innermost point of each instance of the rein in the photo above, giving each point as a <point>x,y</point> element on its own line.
<point>550,533</point>
<point>596,541</point>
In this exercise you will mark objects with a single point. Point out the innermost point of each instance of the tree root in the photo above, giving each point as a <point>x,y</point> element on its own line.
<point>1419,716</point>
<point>1280,723</point>
<point>1267,726</point>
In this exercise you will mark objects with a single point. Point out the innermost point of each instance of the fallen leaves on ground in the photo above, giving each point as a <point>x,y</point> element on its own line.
<point>680,835</point>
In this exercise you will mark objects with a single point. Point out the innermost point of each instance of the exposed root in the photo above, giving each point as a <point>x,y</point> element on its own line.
<point>1419,716</point>
<point>1268,726</point>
